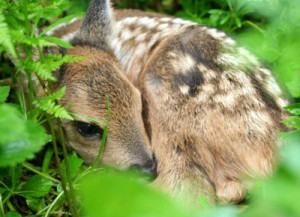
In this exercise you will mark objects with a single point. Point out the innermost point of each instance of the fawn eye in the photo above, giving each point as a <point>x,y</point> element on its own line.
<point>88,130</point>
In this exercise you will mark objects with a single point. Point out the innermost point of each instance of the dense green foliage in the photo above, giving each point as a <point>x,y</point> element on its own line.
<point>39,178</point>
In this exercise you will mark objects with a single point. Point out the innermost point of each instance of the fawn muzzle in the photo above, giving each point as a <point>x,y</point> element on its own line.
<point>149,168</point>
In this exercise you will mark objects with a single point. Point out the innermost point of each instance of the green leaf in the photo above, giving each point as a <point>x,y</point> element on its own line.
<point>4,91</point>
<point>293,121</point>
<point>13,214</point>
<point>238,22</point>
<point>19,139</point>
<point>36,186</point>
<point>5,38</point>
<point>74,165</point>
<point>60,21</point>
<point>57,41</point>
<point>115,195</point>
<point>294,109</point>
<point>49,105</point>
<point>35,204</point>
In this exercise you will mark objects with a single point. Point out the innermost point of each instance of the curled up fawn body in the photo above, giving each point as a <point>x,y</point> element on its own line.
<point>205,107</point>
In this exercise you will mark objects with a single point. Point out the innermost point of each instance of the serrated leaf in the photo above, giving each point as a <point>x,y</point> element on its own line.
<point>294,109</point>
<point>4,91</point>
<point>74,165</point>
<point>36,186</point>
<point>19,139</point>
<point>35,204</point>
<point>293,121</point>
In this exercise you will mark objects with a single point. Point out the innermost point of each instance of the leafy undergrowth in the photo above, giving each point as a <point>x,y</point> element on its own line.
<point>38,177</point>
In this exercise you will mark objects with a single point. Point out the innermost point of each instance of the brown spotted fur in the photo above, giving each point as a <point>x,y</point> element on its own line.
<point>211,111</point>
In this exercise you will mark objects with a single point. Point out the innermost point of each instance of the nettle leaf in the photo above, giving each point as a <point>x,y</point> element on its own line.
<point>36,186</point>
<point>74,165</point>
<point>48,105</point>
<point>293,121</point>
<point>20,138</point>
<point>5,38</point>
<point>294,109</point>
<point>115,195</point>
<point>4,92</point>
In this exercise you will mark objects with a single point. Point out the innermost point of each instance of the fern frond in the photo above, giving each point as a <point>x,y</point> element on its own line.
<point>5,38</point>
<point>48,105</point>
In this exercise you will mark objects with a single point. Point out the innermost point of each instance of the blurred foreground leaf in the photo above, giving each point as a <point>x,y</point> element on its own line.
<point>19,138</point>
<point>115,195</point>
<point>4,91</point>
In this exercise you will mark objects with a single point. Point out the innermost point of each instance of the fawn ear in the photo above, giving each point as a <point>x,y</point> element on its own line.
<point>96,28</point>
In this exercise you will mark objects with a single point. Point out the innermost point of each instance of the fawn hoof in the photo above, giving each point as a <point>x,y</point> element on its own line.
<point>231,192</point>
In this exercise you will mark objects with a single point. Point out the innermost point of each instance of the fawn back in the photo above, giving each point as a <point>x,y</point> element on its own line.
<point>211,111</point>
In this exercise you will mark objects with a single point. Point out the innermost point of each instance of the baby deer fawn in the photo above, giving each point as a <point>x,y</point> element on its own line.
<point>206,108</point>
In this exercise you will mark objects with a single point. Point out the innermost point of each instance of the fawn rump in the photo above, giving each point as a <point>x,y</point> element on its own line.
<point>209,109</point>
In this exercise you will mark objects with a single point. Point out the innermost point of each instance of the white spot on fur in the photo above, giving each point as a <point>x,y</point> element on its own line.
<point>126,35</point>
<point>184,89</point>
<point>163,26</point>
<point>69,36</point>
<point>216,34</point>
<point>208,88</point>
<point>166,19</point>
<point>183,63</point>
<point>145,20</point>
<point>140,37</point>
<point>230,42</point>
<point>130,20</point>
<point>281,102</point>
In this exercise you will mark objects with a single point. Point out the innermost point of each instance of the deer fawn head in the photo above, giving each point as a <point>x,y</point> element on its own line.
<point>88,84</point>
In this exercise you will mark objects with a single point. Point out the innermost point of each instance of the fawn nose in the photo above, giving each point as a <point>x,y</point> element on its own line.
<point>149,168</point>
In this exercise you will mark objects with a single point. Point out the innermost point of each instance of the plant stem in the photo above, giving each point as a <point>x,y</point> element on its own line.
<point>29,167</point>
<point>58,163</point>
<point>1,207</point>
<point>104,134</point>
<point>66,157</point>
<point>65,153</point>
<point>53,203</point>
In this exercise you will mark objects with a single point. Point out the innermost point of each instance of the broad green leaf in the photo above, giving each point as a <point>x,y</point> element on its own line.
<point>36,186</point>
<point>4,91</point>
<point>13,214</point>
<point>74,165</point>
<point>36,204</point>
<point>115,195</point>
<point>294,109</point>
<point>293,121</point>
<point>19,139</point>
<point>291,151</point>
